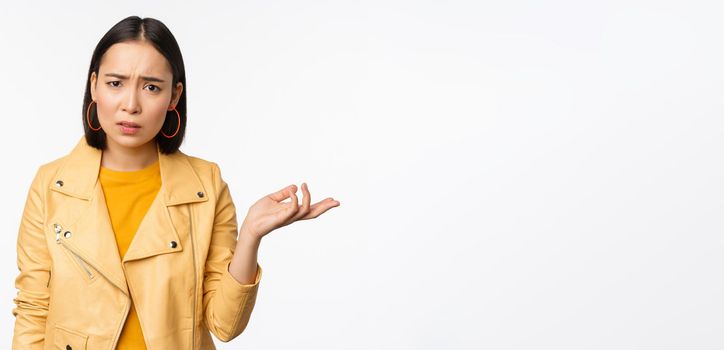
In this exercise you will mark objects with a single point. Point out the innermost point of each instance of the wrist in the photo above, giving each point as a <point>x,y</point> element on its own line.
<point>248,238</point>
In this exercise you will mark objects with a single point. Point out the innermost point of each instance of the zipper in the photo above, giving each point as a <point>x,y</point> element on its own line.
<point>193,257</point>
<point>81,262</point>
<point>58,229</point>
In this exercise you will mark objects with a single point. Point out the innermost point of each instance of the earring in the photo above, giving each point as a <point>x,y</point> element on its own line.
<point>178,117</point>
<point>87,116</point>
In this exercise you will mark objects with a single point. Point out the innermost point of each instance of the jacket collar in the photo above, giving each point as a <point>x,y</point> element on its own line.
<point>78,176</point>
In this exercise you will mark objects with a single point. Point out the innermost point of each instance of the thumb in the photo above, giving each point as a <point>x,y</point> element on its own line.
<point>283,193</point>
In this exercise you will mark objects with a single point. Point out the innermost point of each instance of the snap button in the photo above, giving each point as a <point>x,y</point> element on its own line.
<point>67,347</point>
<point>200,194</point>
<point>67,234</point>
<point>172,244</point>
<point>59,183</point>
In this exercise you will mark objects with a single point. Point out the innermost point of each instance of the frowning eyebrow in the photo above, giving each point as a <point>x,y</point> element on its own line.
<point>119,76</point>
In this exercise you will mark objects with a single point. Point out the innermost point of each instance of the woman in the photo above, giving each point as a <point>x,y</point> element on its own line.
<point>126,242</point>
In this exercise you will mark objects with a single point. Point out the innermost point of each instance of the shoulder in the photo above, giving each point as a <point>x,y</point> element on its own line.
<point>202,166</point>
<point>208,171</point>
<point>47,170</point>
<point>199,163</point>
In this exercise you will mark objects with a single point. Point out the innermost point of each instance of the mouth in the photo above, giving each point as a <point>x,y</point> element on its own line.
<point>129,124</point>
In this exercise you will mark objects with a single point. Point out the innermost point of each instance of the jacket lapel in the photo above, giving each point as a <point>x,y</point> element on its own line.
<point>92,233</point>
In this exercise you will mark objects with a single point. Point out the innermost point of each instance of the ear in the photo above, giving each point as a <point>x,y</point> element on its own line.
<point>93,85</point>
<point>176,95</point>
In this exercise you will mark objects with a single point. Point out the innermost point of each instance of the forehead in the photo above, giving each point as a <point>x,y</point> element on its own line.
<point>135,58</point>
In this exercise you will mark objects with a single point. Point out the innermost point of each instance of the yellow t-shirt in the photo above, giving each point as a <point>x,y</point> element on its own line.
<point>129,194</point>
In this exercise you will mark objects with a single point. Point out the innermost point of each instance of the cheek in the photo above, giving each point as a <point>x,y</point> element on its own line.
<point>105,108</point>
<point>156,112</point>
<point>106,102</point>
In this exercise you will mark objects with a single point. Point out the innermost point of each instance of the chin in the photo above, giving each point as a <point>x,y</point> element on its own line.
<point>130,141</point>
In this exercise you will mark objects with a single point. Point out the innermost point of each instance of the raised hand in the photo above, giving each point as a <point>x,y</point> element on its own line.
<point>271,212</point>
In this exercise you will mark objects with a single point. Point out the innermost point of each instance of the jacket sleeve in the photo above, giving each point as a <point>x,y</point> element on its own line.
<point>227,303</point>
<point>33,260</point>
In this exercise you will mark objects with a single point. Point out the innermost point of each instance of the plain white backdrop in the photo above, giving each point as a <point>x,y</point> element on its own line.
<point>512,175</point>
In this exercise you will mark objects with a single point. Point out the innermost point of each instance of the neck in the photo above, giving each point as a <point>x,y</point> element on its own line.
<point>121,158</point>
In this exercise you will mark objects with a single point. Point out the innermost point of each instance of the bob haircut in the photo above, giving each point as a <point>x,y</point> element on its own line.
<point>156,33</point>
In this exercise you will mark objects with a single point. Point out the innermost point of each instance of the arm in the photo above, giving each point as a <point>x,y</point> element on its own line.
<point>243,264</point>
<point>228,303</point>
<point>229,316</point>
<point>33,261</point>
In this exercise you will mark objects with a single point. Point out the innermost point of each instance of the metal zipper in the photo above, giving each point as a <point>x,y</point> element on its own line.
<point>82,264</point>
<point>58,229</point>
<point>193,257</point>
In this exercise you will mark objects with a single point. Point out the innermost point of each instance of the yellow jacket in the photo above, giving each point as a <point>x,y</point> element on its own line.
<point>73,289</point>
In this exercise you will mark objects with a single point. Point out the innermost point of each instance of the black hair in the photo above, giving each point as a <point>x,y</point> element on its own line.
<point>157,34</point>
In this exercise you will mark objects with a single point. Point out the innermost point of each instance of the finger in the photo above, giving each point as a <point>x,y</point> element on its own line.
<point>294,203</point>
<point>304,209</point>
<point>283,193</point>
<point>320,207</point>
<point>307,200</point>
<point>288,210</point>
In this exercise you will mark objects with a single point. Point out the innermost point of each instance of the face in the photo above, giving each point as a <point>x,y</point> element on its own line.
<point>133,91</point>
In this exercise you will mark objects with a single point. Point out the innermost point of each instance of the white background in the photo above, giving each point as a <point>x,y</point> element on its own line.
<point>512,175</point>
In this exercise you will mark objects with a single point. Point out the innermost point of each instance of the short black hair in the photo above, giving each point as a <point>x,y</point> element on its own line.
<point>134,28</point>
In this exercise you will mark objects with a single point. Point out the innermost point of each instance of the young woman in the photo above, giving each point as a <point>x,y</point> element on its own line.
<point>127,242</point>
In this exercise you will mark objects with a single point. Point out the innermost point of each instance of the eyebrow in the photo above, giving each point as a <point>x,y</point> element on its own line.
<point>120,76</point>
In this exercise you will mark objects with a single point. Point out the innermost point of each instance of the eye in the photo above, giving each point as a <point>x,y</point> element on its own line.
<point>114,83</point>
<point>153,88</point>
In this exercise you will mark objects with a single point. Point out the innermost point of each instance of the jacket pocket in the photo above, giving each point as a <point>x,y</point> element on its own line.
<point>67,339</point>
<point>86,270</point>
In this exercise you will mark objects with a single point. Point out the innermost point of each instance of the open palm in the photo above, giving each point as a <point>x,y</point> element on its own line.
<point>271,212</point>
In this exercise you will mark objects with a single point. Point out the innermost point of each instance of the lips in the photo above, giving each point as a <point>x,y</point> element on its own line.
<point>129,124</point>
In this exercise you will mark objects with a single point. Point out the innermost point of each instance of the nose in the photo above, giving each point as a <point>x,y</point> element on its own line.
<point>131,103</point>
